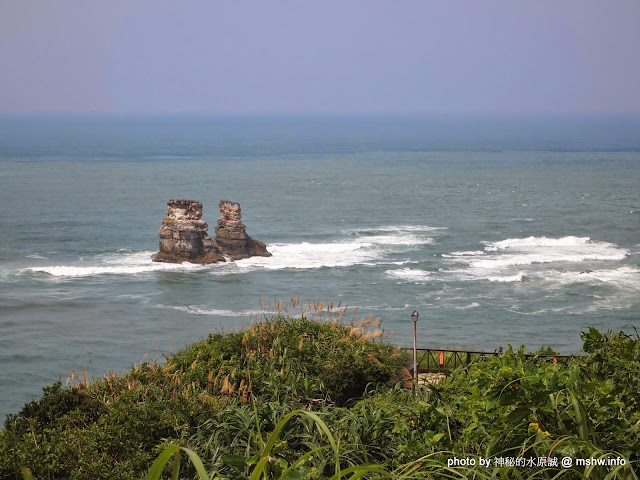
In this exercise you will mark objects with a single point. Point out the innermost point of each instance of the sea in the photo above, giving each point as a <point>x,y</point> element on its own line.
<point>497,229</point>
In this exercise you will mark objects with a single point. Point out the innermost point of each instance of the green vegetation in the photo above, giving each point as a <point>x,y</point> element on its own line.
<point>296,398</point>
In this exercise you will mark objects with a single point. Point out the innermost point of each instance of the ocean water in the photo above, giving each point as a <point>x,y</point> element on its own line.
<point>497,230</point>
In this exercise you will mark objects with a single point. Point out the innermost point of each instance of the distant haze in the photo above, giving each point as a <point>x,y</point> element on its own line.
<point>321,57</point>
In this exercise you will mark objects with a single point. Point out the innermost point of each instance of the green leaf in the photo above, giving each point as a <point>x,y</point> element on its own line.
<point>176,467</point>
<point>492,402</point>
<point>299,463</point>
<point>582,418</point>
<point>359,471</point>
<point>518,414</point>
<point>259,469</point>
<point>492,445</point>
<point>298,473</point>
<point>26,473</point>
<point>155,472</point>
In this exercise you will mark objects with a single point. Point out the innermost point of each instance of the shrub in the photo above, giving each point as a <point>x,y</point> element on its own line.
<point>221,397</point>
<point>296,360</point>
<point>111,427</point>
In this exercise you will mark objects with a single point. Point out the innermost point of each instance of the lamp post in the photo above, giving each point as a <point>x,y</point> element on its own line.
<point>414,317</point>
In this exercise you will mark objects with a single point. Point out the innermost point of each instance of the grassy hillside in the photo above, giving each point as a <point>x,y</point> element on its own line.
<point>295,398</point>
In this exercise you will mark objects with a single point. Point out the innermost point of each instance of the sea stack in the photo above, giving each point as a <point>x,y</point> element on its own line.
<point>183,235</point>
<point>231,236</point>
<point>184,238</point>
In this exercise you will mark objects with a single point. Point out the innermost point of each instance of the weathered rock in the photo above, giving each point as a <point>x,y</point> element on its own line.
<point>183,235</point>
<point>231,236</point>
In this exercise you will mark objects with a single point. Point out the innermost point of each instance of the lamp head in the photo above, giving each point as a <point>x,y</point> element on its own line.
<point>414,316</point>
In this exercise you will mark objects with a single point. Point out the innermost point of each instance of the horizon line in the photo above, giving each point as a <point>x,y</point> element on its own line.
<point>490,113</point>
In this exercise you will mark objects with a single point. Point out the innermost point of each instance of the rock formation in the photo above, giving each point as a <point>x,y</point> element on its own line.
<point>184,238</point>
<point>183,235</point>
<point>231,236</point>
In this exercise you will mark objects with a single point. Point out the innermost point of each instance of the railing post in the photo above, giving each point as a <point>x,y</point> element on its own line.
<point>414,317</point>
<point>415,354</point>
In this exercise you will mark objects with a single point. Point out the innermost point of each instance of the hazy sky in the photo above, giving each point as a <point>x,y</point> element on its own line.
<point>323,56</point>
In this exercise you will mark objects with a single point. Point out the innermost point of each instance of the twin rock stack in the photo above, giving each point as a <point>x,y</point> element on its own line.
<point>184,237</point>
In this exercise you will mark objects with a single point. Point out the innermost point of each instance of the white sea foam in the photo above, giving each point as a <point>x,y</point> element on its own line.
<point>409,274</point>
<point>624,278</point>
<point>119,264</point>
<point>312,255</point>
<point>514,259</point>
<point>569,309</point>
<point>405,235</point>
<point>538,250</point>
<point>203,310</point>
<point>474,253</point>
<point>627,278</point>
<point>506,278</point>
<point>386,307</point>
<point>408,228</point>
<point>398,239</point>
<point>544,242</point>
<point>383,262</point>
<point>35,255</point>
<point>467,307</point>
<point>366,248</point>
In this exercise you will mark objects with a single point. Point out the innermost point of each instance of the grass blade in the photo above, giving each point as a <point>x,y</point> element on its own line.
<point>155,472</point>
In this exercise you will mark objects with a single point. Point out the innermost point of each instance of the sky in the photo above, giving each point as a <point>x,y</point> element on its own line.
<point>319,57</point>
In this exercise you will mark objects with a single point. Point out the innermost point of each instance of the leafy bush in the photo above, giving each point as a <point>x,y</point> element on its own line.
<point>112,426</point>
<point>297,360</point>
<point>265,401</point>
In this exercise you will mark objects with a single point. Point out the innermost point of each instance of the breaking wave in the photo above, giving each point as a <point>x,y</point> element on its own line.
<point>409,274</point>
<point>364,247</point>
<point>565,260</point>
<point>534,250</point>
<point>463,254</point>
<point>116,264</point>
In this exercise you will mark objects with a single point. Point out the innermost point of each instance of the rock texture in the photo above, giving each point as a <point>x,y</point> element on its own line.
<point>231,235</point>
<point>183,235</point>
<point>184,238</point>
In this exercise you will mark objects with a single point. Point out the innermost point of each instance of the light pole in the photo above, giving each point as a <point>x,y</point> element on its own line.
<point>414,317</point>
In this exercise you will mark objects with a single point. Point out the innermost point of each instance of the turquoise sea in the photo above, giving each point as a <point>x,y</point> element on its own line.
<point>521,230</point>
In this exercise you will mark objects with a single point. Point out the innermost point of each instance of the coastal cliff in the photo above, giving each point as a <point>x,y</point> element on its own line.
<point>184,235</point>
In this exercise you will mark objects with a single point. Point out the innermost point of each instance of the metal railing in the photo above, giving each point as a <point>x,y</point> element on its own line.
<point>438,360</point>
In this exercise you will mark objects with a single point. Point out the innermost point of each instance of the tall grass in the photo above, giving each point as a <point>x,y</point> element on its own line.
<point>265,464</point>
<point>294,398</point>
